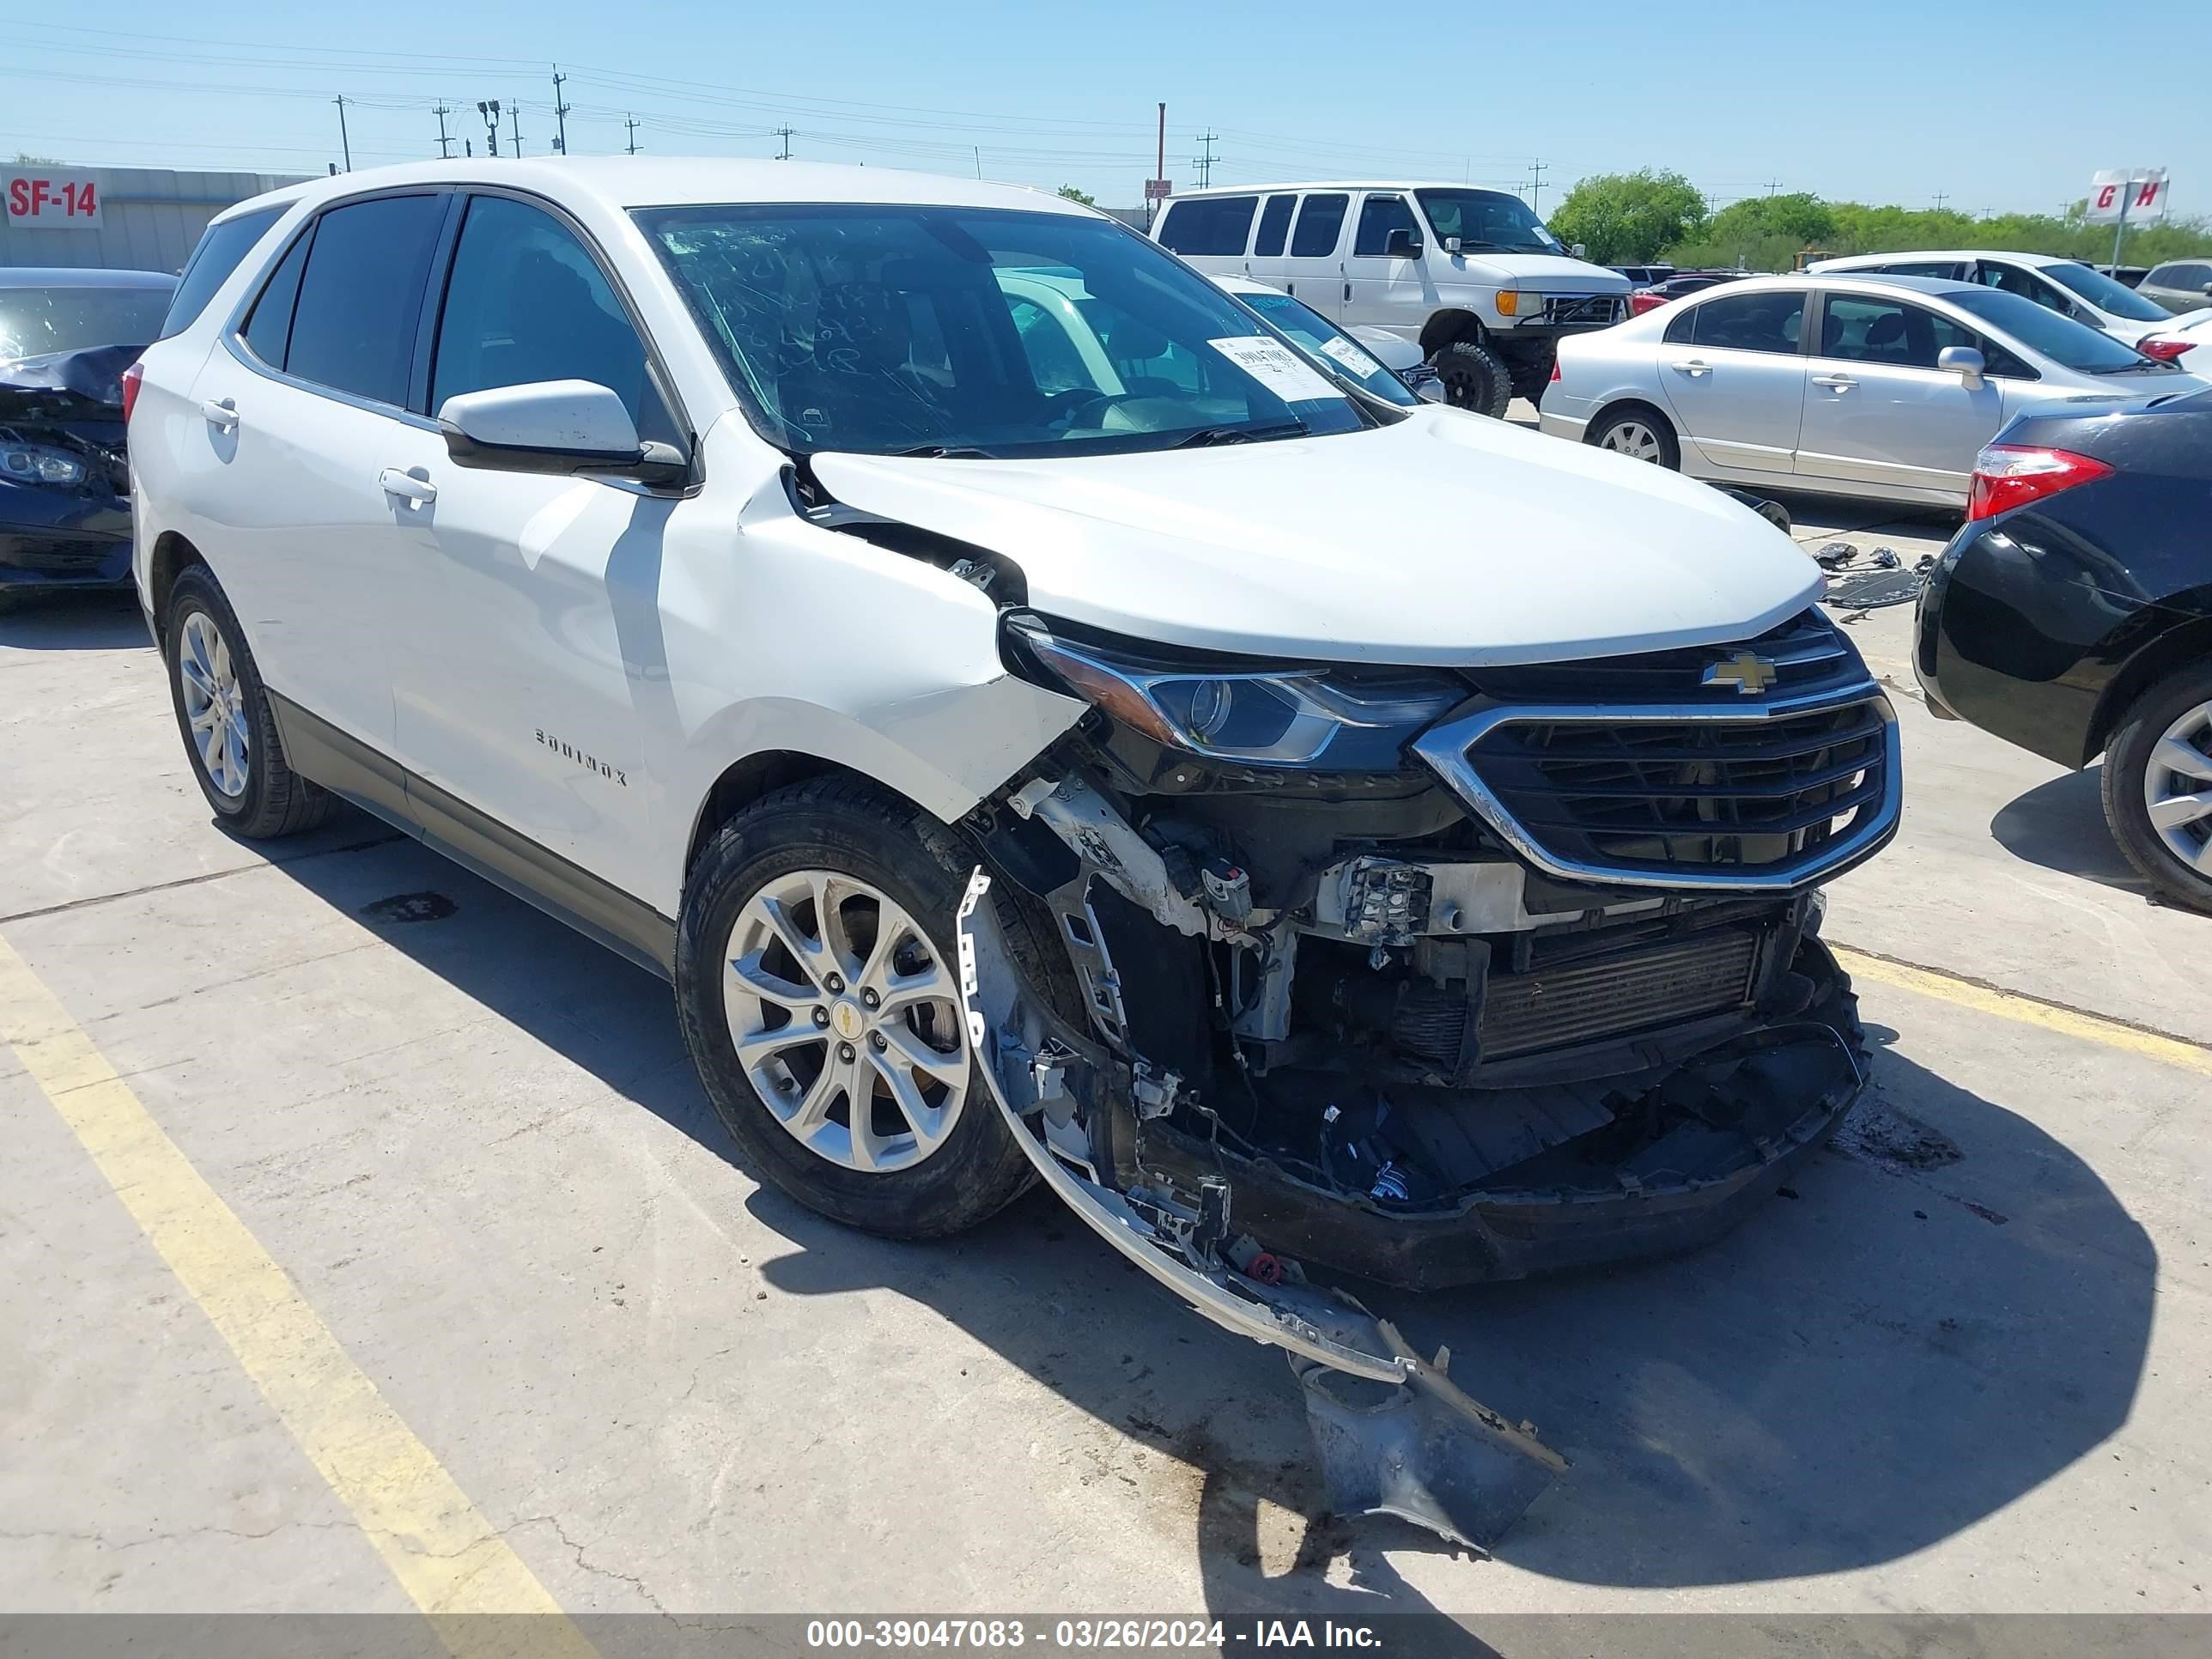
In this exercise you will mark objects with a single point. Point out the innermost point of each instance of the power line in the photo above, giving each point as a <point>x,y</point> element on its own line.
<point>1204,163</point>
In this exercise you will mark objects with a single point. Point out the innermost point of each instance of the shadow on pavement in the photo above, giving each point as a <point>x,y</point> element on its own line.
<point>61,620</point>
<point>2060,826</point>
<point>1948,1309</point>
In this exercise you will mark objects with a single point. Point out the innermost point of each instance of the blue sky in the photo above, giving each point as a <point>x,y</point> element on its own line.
<point>1994,108</point>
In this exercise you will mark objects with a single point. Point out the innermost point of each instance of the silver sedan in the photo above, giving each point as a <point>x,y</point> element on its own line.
<point>1882,386</point>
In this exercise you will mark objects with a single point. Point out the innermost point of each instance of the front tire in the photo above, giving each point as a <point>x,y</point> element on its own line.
<point>2158,787</point>
<point>1639,431</point>
<point>1475,378</point>
<point>222,711</point>
<point>817,985</point>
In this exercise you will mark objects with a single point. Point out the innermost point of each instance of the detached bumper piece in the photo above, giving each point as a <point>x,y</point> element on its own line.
<point>1395,1435</point>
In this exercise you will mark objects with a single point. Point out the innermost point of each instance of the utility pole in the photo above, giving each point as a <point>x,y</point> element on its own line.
<point>979,159</point>
<point>1773,184</point>
<point>1159,172</point>
<point>630,121</point>
<point>1942,196</point>
<point>514,125</point>
<point>1536,188</point>
<point>784,133</point>
<point>559,115</point>
<point>445,143</point>
<point>345,144</point>
<point>1204,163</point>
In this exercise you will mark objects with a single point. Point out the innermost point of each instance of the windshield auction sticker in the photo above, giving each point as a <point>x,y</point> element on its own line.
<point>1277,367</point>
<point>1350,356</point>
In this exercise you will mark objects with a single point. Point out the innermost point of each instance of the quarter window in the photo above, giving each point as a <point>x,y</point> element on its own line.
<point>1210,224</point>
<point>361,296</point>
<point>1320,222</point>
<point>1274,227</point>
<point>1378,216</point>
<point>526,302</point>
<point>269,329</point>
<point>221,248</point>
<point>1742,322</point>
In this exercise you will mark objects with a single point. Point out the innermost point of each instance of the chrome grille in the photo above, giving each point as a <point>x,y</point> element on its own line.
<point>1584,310</point>
<point>1584,1001</point>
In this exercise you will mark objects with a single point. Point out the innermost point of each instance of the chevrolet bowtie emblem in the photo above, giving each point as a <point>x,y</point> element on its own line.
<point>1749,674</point>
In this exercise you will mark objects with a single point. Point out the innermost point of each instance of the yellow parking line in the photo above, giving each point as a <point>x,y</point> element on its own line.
<point>2027,1011</point>
<point>446,1555</point>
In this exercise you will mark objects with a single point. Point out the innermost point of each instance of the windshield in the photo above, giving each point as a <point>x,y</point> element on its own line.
<point>1330,345</point>
<point>1487,221</point>
<point>37,320</point>
<point>2043,331</point>
<point>969,331</point>
<point>2102,292</point>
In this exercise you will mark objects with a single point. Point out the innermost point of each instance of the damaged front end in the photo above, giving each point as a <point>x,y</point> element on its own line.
<point>1427,978</point>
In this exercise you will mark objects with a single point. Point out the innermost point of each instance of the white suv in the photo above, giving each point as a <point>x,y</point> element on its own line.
<point>989,672</point>
<point>1471,276</point>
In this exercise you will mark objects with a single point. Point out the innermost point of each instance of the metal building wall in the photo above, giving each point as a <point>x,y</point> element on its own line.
<point>150,218</point>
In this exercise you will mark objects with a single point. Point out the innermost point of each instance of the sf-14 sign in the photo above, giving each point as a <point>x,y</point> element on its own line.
<point>38,198</point>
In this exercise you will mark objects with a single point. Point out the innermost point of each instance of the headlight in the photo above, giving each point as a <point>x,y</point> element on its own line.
<point>22,462</point>
<point>1348,720</point>
<point>1516,302</point>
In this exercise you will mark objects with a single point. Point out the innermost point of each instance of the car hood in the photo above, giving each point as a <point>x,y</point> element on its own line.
<point>1552,273</point>
<point>1443,538</point>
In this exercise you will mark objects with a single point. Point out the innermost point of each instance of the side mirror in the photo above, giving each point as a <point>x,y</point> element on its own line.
<point>2207,291</point>
<point>1580,250</point>
<point>1452,246</point>
<point>567,428</point>
<point>1402,245</point>
<point>1964,361</point>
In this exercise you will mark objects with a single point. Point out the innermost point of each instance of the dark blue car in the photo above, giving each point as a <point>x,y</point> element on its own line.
<point>2073,615</point>
<point>65,338</point>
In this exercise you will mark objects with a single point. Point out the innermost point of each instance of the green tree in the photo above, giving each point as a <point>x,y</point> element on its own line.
<point>1071,193</point>
<point>1625,218</point>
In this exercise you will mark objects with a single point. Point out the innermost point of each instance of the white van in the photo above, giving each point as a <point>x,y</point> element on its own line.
<point>1472,275</point>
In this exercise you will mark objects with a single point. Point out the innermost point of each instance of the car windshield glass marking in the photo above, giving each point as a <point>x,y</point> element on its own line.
<point>1316,334</point>
<point>883,330</point>
<point>1487,221</point>
<point>2063,341</point>
<point>2102,292</point>
<point>34,322</point>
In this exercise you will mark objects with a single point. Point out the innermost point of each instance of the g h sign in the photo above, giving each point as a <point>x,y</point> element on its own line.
<point>39,199</point>
<point>2137,194</point>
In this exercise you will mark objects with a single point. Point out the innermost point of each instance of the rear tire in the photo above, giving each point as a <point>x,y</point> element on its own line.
<point>2159,766</point>
<point>881,857</point>
<point>222,713</point>
<point>1639,431</point>
<point>1475,378</point>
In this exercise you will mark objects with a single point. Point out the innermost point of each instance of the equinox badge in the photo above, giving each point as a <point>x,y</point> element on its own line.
<point>1748,673</point>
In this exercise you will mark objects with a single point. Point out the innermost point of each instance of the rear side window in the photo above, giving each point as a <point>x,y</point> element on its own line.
<point>1274,227</point>
<point>1209,224</point>
<point>1320,222</point>
<point>527,302</point>
<point>1742,322</point>
<point>361,296</point>
<point>269,329</point>
<point>221,247</point>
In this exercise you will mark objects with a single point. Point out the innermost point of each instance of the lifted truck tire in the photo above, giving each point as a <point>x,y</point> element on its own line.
<point>2178,710</point>
<point>213,682</point>
<point>1475,378</point>
<point>884,856</point>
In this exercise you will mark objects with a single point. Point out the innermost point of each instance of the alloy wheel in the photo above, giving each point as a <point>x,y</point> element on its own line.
<point>214,703</point>
<point>1634,439</point>
<point>2177,788</point>
<point>847,1021</point>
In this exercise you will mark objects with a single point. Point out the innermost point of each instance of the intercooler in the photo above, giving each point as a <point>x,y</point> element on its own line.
<point>1576,1002</point>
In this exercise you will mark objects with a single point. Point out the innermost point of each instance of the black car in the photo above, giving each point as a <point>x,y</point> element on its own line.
<point>65,338</point>
<point>2072,614</point>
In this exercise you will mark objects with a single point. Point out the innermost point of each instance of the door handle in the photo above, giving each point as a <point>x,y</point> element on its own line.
<point>416,492</point>
<point>1694,367</point>
<point>1835,382</point>
<point>222,413</point>
<point>1347,290</point>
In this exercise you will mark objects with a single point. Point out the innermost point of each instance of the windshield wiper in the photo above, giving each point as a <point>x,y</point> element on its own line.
<point>1207,436</point>
<point>942,452</point>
